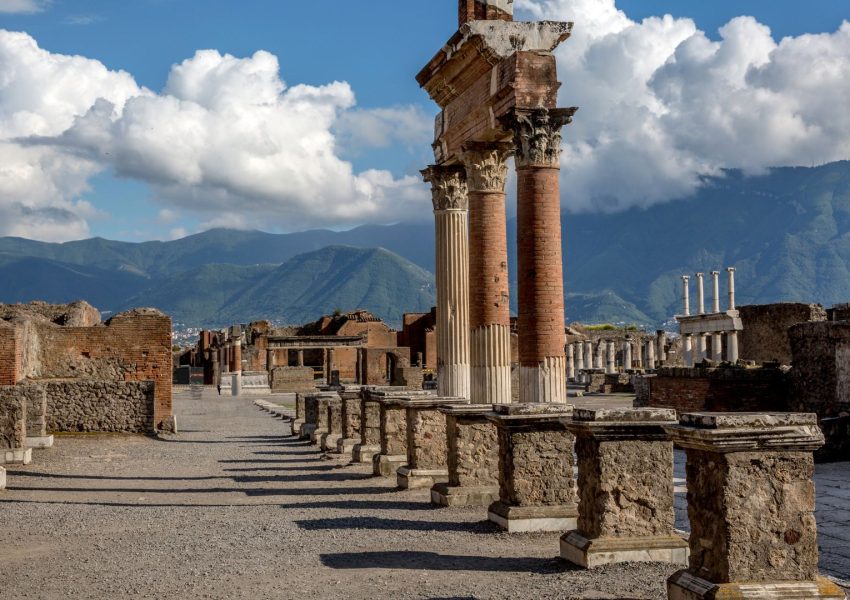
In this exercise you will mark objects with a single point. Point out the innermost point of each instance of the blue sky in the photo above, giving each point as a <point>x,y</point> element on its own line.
<point>376,47</point>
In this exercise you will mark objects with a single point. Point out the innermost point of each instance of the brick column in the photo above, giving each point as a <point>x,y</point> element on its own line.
<point>537,137</point>
<point>449,195</point>
<point>489,295</point>
<point>751,503</point>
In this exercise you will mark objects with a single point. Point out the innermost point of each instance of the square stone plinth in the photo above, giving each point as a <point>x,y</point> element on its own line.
<point>370,428</point>
<point>472,458</point>
<point>334,420</point>
<point>751,501</point>
<point>537,490</point>
<point>316,415</point>
<point>346,445</point>
<point>350,414</point>
<point>387,465</point>
<point>40,442</point>
<point>685,586</point>
<point>393,436</point>
<point>15,456</point>
<point>299,419</point>
<point>426,442</point>
<point>625,483</point>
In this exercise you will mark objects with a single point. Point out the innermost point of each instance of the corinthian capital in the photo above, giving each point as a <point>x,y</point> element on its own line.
<point>448,187</point>
<point>486,166</point>
<point>537,134</point>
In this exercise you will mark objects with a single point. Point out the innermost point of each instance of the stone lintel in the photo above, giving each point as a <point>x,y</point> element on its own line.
<point>622,424</point>
<point>490,41</point>
<point>432,403</point>
<point>710,323</point>
<point>683,585</point>
<point>743,432</point>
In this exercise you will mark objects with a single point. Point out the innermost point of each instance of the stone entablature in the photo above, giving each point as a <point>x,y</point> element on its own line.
<point>761,539</point>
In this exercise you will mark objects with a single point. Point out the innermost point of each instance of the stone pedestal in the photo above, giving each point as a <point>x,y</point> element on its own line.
<point>393,454</point>
<point>298,421</point>
<point>15,456</point>
<point>426,443</point>
<point>316,416</point>
<point>370,429</point>
<point>40,442</point>
<point>625,483</point>
<point>334,419</point>
<point>537,490</point>
<point>2,478</point>
<point>350,419</point>
<point>751,502</point>
<point>236,384</point>
<point>472,458</point>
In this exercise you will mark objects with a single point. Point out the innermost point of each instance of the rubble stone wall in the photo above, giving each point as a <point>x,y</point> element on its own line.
<point>765,335</point>
<point>426,434</point>
<point>370,422</point>
<point>111,406</point>
<point>13,416</point>
<point>473,452</point>
<point>393,430</point>
<point>539,471</point>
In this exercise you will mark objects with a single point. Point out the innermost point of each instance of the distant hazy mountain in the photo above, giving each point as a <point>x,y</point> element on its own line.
<point>787,232</point>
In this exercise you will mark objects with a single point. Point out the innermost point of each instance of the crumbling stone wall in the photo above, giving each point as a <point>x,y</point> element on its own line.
<point>426,435</point>
<point>765,335</point>
<point>393,430</point>
<point>292,379</point>
<point>720,389</point>
<point>764,547</point>
<point>36,410</point>
<point>370,422</point>
<point>111,406</point>
<point>13,417</point>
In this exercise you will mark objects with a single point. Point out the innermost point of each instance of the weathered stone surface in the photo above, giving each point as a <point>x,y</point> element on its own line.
<point>426,438</point>
<point>2,478</point>
<point>36,411</point>
<point>473,450</point>
<point>393,429</point>
<point>370,421</point>
<point>113,406</point>
<point>624,415</point>
<point>13,417</point>
<point>727,420</point>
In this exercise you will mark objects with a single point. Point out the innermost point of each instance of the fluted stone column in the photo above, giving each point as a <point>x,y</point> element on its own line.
<point>650,355</point>
<point>627,355</point>
<point>450,199</point>
<point>588,354</point>
<point>731,336</point>
<point>599,359</point>
<point>612,359</point>
<point>236,368</point>
<point>661,338</point>
<point>489,294</point>
<point>537,137</point>
<point>571,362</point>
<point>579,351</point>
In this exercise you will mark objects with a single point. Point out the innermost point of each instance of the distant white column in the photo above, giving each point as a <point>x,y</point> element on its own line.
<point>701,293</point>
<point>588,355</point>
<point>686,295</point>
<point>715,282</point>
<point>731,272</point>
<point>661,337</point>
<point>637,350</point>
<point>716,347</point>
<point>571,362</point>
<point>599,358</point>
<point>612,358</point>
<point>702,350</point>
<point>732,346</point>
<point>688,349</point>
<point>579,349</point>
<point>650,354</point>
<point>627,355</point>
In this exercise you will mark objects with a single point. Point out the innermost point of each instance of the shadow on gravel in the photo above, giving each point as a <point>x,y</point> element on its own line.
<point>233,461</point>
<point>412,560</point>
<point>301,478</point>
<point>483,527</point>
<point>104,477</point>
<point>319,491</point>
<point>140,505</point>
<point>365,505</point>
<point>301,468</point>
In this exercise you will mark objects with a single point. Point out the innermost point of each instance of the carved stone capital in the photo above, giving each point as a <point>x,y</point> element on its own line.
<point>486,165</point>
<point>448,187</point>
<point>537,134</point>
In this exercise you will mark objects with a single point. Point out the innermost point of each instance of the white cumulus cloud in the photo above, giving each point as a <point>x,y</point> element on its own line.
<point>227,140</point>
<point>662,105</point>
<point>21,6</point>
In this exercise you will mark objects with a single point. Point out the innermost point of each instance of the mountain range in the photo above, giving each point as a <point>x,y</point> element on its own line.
<point>787,232</point>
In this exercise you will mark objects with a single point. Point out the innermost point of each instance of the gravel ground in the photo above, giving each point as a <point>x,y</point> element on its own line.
<point>232,508</point>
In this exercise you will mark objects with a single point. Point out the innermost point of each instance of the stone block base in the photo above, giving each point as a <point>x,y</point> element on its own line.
<point>306,431</point>
<point>524,519</point>
<point>329,441</point>
<point>316,436</point>
<point>2,478</point>
<point>16,456</point>
<point>442,494</point>
<point>346,445</point>
<point>40,442</point>
<point>297,424</point>
<point>362,453</point>
<point>685,586</point>
<point>416,479</point>
<point>605,551</point>
<point>385,465</point>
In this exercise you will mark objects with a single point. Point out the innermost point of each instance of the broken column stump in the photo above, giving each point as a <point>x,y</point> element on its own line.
<point>299,420</point>
<point>472,458</point>
<point>370,428</point>
<point>751,502</point>
<point>334,417</point>
<point>426,442</point>
<point>350,418</point>
<point>625,483</point>
<point>537,489</point>
<point>13,425</point>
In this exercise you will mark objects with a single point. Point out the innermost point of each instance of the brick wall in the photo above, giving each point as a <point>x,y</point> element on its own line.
<point>375,364</point>
<point>765,335</point>
<point>10,354</point>
<point>720,390</point>
<point>133,346</point>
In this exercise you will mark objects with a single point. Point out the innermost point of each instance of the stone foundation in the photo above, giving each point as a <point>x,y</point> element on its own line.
<point>426,443</point>
<point>334,417</point>
<point>625,482</point>
<point>537,490</point>
<point>316,416</point>
<point>350,419</point>
<point>370,429</point>
<point>472,458</point>
<point>751,502</point>
<point>393,453</point>
<point>299,419</point>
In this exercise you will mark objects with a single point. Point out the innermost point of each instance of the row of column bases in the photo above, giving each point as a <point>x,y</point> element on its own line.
<point>473,296</point>
<point>755,543</point>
